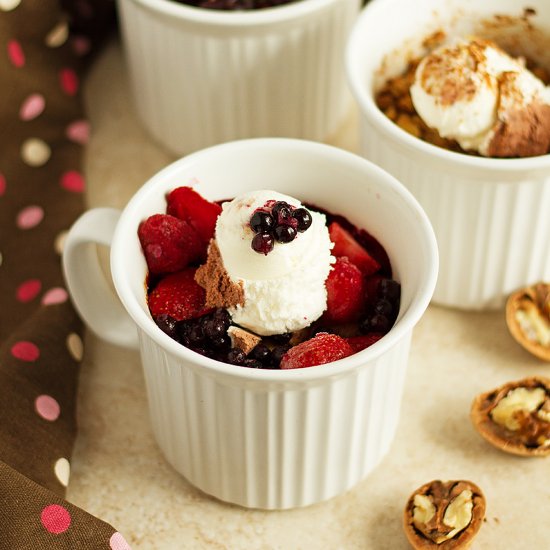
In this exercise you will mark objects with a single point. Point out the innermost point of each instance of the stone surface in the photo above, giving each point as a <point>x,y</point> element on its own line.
<point>119,474</point>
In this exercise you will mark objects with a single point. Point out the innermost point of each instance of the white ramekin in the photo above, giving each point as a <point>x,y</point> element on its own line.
<point>262,438</point>
<point>491,217</point>
<point>202,77</point>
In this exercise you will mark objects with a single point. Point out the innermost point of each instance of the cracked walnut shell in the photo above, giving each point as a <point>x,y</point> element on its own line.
<point>528,319</point>
<point>516,416</point>
<point>444,514</point>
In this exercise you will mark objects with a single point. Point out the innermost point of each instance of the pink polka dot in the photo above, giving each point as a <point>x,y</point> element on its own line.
<point>25,351</point>
<point>3,184</point>
<point>73,181</point>
<point>78,131</point>
<point>29,217</point>
<point>55,519</point>
<point>47,407</point>
<point>69,81</point>
<point>28,290</point>
<point>55,295</point>
<point>16,54</point>
<point>117,542</point>
<point>32,107</point>
<point>81,45</point>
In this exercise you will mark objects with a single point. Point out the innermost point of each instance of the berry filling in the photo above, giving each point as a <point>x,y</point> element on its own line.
<point>363,299</point>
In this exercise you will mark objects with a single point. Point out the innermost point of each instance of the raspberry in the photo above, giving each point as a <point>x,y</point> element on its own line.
<point>179,296</point>
<point>186,204</point>
<point>345,292</point>
<point>169,244</point>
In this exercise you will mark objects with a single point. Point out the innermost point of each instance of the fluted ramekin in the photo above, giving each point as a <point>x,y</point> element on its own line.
<point>263,438</point>
<point>491,217</point>
<point>203,76</point>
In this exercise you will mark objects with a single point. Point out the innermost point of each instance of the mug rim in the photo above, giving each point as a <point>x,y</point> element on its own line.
<point>230,18</point>
<point>363,91</point>
<point>402,327</point>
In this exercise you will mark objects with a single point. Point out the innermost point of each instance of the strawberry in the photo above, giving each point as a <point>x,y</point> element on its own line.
<point>345,292</point>
<point>185,203</point>
<point>346,245</point>
<point>321,349</point>
<point>179,296</point>
<point>359,343</point>
<point>169,244</point>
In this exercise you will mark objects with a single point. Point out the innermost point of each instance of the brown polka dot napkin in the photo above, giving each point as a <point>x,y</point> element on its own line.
<point>44,46</point>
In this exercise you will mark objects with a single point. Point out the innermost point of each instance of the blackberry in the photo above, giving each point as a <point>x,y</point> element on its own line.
<point>389,289</point>
<point>236,356</point>
<point>214,329</point>
<point>282,338</point>
<point>167,324</point>
<point>252,363</point>
<point>303,219</point>
<point>383,307</point>
<point>262,222</point>
<point>262,353</point>
<point>277,354</point>
<point>263,243</point>
<point>375,323</point>
<point>285,233</point>
<point>281,210</point>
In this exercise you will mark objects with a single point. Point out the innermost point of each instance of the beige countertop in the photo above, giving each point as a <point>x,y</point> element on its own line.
<point>119,474</point>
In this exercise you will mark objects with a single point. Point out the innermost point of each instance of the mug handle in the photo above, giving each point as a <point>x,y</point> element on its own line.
<point>87,283</point>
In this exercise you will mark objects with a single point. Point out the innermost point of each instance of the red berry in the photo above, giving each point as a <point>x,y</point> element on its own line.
<point>346,245</point>
<point>345,292</point>
<point>179,296</point>
<point>323,348</point>
<point>359,343</point>
<point>185,203</point>
<point>169,244</point>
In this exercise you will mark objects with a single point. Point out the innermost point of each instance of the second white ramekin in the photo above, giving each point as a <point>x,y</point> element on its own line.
<point>491,216</point>
<point>202,76</point>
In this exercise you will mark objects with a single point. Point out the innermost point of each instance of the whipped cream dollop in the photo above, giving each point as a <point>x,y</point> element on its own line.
<point>475,93</point>
<point>284,290</point>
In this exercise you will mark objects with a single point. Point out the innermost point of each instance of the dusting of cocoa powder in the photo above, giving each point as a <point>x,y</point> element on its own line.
<point>221,291</point>
<point>523,132</point>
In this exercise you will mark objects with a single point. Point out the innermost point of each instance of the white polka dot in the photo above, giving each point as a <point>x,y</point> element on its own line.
<point>75,346</point>
<point>59,242</point>
<point>32,107</point>
<point>62,471</point>
<point>58,35</point>
<point>35,152</point>
<point>8,5</point>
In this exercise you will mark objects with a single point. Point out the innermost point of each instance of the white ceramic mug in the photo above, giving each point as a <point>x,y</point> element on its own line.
<point>263,438</point>
<point>491,216</point>
<point>204,76</point>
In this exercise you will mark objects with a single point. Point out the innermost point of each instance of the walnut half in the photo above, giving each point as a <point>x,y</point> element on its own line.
<point>516,416</point>
<point>528,319</point>
<point>444,514</point>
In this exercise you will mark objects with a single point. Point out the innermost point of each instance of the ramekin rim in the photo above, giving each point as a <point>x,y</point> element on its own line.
<point>229,18</point>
